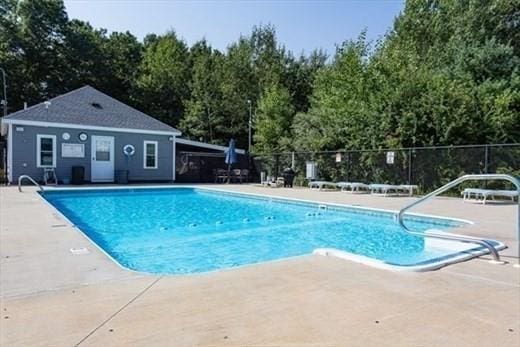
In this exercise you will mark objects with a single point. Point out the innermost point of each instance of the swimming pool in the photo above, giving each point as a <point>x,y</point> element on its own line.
<point>192,230</point>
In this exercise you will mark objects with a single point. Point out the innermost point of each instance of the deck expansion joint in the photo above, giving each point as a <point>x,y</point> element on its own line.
<point>121,309</point>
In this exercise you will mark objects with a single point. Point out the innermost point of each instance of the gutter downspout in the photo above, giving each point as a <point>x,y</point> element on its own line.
<point>174,140</point>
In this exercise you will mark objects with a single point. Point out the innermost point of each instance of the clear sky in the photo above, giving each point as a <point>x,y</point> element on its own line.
<point>300,25</point>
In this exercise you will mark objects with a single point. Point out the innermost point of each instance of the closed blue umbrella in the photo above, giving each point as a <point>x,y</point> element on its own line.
<point>231,153</point>
<point>231,157</point>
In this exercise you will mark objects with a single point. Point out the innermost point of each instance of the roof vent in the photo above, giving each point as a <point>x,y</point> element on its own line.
<point>47,104</point>
<point>96,105</point>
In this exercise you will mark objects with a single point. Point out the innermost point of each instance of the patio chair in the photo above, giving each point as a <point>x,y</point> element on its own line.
<point>353,187</point>
<point>244,175</point>
<point>236,175</point>
<point>221,176</point>
<point>49,177</point>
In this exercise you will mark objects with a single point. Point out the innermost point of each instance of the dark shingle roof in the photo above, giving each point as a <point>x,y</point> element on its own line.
<point>90,107</point>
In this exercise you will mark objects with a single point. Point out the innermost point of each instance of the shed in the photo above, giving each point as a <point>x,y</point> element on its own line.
<point>90,129</point>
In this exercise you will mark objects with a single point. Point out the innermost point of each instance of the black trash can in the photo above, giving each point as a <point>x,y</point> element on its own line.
<point>121,176</point>
<point>288,177</point>
<point>78,175</point>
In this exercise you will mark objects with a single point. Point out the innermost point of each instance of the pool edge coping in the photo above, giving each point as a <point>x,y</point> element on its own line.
<point>460,220</point>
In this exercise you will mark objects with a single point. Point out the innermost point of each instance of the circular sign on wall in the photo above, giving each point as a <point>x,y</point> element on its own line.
<point>65,136</point>
<point>129,150</point>
<point>83,136</point>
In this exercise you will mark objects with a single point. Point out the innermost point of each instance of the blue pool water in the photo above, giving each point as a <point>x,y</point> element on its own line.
<point>189,230</point>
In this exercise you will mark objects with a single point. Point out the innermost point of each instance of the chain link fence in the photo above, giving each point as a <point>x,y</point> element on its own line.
<point>199,167</point>
<point>427,167</point>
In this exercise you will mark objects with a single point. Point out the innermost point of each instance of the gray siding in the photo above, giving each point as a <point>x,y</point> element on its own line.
<point>24,153</point>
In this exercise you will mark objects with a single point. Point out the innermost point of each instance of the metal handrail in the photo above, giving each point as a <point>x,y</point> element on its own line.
<point>20,179</point>
<point>457,237</point>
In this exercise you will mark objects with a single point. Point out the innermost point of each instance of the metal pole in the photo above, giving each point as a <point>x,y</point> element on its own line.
<point>486,159</point>
<point>486,163</point>
<point>409,166</point>
<point>5,91</point>
<point>347,164</point>
<point>249,163</point>
<point>250,126</point>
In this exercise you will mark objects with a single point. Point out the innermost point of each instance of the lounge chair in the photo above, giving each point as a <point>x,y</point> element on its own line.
<point>482,195</point>
<point>384,189</point>
<point>353,187</point>
<point>272,182</point>
<point>321,184</point>
<point>406,189</point>
<point>392,190</point>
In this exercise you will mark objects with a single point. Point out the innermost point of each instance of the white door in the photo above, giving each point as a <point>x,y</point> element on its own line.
<point>102,165</point>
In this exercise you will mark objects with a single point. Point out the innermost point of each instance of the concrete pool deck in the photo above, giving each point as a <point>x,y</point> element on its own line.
<point>50,297</point>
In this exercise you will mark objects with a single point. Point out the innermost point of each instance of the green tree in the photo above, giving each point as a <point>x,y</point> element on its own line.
<point>162,84</point>
<point>446,74</point>
<point>300,75</point>
<point>32,35</point>
<point>11,57</point>
<point>341,102</point>
<point>238,84</point>
<point>123,53</point>
<point>267,57</point>
<point>109,63</point>
<point>85,56</point>
<point>203,119</point>
<point>273,123</point>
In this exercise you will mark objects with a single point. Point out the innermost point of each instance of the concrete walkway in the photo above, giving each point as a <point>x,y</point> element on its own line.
<point>49,297</point>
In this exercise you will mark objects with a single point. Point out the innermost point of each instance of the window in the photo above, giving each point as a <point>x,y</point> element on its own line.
<point>150,154</point>
<point>45,150</point>
<point>103,147</point>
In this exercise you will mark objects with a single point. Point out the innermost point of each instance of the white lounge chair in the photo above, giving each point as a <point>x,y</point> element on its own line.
<point>272,182</point>
<point>321,184</point>
<point>392,190</point>
<point>384,189</point>
<point>406,189</point>
<point>482,195</point>
<point>353,187</point>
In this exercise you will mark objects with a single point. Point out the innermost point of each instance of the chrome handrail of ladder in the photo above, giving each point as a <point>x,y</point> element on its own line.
<point>464,238</point>
<point>21,178</point>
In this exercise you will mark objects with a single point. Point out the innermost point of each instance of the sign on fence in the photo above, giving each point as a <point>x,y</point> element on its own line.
<point>390,157</point>
<point>310,172</point>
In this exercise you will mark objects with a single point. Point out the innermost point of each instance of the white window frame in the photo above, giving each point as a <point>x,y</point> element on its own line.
<point>156,146</point>
<point>39,137</point>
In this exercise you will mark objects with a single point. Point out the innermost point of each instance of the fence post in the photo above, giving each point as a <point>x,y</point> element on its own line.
<point>276,165</point>
<point>486,163</point>
<point>409,166</point>
<point>292,160</point>
<point>486,159</point>
<point>347,164</point>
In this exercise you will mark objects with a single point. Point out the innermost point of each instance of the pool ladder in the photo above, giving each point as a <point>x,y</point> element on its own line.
<point>464,238</point>
<point>22,177</point>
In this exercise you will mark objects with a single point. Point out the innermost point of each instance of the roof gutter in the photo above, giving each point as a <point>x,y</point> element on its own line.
<point>87,127</point>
